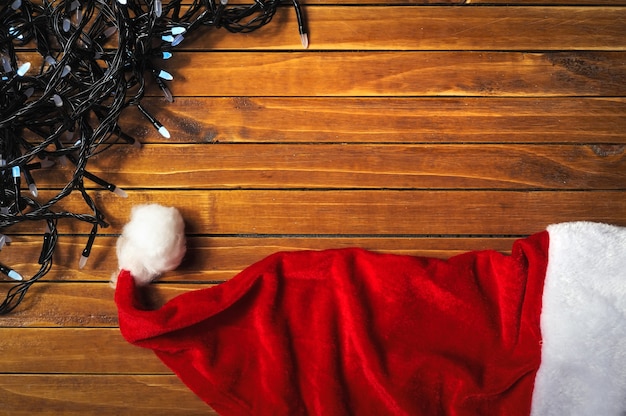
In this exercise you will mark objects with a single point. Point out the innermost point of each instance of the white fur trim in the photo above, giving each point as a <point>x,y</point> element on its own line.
<point>583,323</point>
<point>152,242</point>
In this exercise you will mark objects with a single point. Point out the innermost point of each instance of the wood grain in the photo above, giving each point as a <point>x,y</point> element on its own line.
<point>97,394</point>
<point>353,212</point>
<point>218,258</point>
<point>82,305</point>
<point>285,120</point>
<point>468,3</point>
<point>420,127</point>
<point>74,351</point>
<point>432,28</point>
<point>364,166</point>
<point>400,74</point>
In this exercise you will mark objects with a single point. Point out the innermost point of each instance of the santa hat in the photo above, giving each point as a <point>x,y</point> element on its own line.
<point>541,331</point>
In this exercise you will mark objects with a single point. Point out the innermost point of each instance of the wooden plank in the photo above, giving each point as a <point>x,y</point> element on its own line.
<point>349,212</point>
<point>389,120</point>
<point>545,2</point>
<point>451,2</point>
<point>74,351</point>
<point>97,394</point>
<point>431,28</point>
<point>63,305</point>
<point>394,73</point>
<point>81,305</point>
<point>220,258</point>
<point>399,74</point>
<point>361,166</point>
<point>360,212</point>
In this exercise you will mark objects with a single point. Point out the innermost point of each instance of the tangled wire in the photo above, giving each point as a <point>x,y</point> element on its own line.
<point>68,68</point>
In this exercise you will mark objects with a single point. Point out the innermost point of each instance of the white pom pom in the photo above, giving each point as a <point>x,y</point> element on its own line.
<point>152,242</point>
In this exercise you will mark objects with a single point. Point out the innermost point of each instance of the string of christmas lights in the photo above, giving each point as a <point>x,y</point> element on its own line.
<point>68,68</point>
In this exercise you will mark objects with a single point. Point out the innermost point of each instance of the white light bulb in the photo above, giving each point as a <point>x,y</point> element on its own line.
<point>164,132</point>
<point>83,261</point>
<point>177,40</point>
<point>15,275</point>
<point>165,75</point>
<point>158,8</point>
<point>23,69</point>
<point>33,189</point>
<point>168,94</point>
<point>120,192</point>
<point>6,64</point>
<point>58,101</point>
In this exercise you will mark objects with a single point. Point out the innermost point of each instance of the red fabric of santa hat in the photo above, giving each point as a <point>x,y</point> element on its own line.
<point>342,332</point>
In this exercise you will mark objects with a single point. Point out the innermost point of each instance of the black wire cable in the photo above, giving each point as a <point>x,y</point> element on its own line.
<point>68,69</point>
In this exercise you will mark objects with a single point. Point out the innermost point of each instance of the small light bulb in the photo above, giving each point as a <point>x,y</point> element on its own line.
<point>6,64</point>
<point>164,132</point>
<point>63,161</point>
<point>120,192</point>
<point>158,8</point>
<point>15,275</point>
<point>33,189</point>
<point>167,55</point>
<point>167,38</point>
<point>58,101</point>
<point>109,31</point>
<point>177,40</point>
<point>168,94</point>
<point>67,24</point>
<point>178,30</point>
<point>16,4</point>
<point>23,69</point>
<point>165,75</point>
<point>66,70</point>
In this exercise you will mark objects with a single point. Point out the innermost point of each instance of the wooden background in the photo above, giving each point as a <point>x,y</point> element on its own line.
<point>420,127</point>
